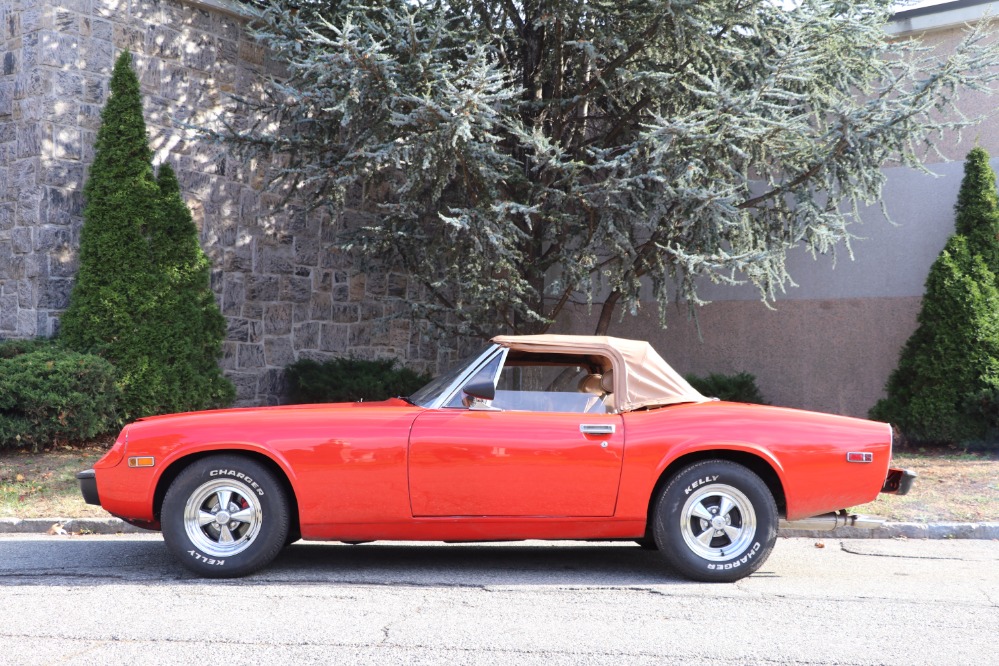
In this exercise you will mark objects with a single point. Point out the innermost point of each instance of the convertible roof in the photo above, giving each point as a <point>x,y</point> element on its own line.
<point>643,378</point>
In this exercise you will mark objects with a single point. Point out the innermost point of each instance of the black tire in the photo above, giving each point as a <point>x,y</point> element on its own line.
<point>715,521</point>
<point>647,543</point>
<point>250,535</point>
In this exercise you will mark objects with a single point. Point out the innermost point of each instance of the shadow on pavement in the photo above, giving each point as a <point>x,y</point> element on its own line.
<point>121,561</point>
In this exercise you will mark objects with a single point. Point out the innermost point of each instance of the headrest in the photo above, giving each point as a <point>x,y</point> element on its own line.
<point>607,381</point>
<point>590,384</point>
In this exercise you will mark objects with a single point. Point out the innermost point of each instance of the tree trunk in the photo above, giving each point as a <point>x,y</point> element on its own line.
<point>606,312</point>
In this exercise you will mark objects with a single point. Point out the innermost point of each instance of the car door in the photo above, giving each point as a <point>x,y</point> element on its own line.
<point>529,453</point>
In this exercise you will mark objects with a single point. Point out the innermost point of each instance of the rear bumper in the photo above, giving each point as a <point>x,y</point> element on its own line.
<point>898,481</point>
<point>88,486</point>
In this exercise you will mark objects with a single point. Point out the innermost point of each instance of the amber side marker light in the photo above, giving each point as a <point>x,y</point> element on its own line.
<point>141,461</point>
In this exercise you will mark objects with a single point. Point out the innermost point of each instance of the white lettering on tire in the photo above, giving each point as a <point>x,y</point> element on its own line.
<point>735,564</point>
<point>701,482</point>
<point>239,475</point>
<point>201,558</point>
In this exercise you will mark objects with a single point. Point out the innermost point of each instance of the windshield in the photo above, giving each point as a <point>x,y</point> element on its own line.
<point>432,391</point>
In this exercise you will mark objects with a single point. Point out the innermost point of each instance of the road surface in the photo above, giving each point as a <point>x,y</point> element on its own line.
<point>96,600</point>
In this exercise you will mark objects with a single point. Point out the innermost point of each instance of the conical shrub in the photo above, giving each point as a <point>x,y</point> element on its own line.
<point>142,273</point>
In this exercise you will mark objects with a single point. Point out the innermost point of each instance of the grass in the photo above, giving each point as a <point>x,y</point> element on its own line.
<point>952,486</point>
<point>44,485</point>
<point>956,487</point>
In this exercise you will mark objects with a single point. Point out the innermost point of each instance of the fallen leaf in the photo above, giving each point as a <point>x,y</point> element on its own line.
<point>56,530</point>
<point>819,544</point>
<point>19,477</point>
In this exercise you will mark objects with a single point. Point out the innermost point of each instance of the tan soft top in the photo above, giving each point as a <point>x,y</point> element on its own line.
<point>641,378</point>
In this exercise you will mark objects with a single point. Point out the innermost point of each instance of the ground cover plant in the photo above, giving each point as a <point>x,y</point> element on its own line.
<point>51,393</point>
<point>350,380</point>
<point>738,387</point>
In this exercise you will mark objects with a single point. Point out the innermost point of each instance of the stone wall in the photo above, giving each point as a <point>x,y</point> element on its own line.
<point>285,291</point>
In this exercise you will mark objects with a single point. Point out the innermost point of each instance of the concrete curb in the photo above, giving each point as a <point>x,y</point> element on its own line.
<point>889,531</point>
<point>67,526</point>
<point>905,531</point>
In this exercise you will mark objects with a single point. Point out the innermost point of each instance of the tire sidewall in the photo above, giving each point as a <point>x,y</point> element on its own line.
<point>255,479</point>
<point>669,505</point>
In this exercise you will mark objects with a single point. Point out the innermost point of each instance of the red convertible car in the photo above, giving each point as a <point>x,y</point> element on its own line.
<point>533,437</point>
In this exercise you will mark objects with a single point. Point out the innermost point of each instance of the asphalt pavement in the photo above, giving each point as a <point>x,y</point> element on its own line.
<point>932,530</point>
<point>123,599</point>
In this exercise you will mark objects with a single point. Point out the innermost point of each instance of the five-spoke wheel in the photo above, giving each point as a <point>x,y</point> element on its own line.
<point>221,518</point>
<point>715,521</point>
<point>225,516</point>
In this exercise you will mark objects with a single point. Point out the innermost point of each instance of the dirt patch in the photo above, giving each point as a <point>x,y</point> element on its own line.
<point>44,485</point>
<point>962,487</point>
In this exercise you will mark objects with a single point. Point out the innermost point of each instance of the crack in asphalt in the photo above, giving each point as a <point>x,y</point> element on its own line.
<point>561,652</point>
<point>845,549</point>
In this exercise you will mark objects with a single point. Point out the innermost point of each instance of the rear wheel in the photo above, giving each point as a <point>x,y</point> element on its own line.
<point>225,516</point>
<point>715,521</point>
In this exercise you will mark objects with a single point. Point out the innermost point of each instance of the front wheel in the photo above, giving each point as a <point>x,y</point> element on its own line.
<point>225,516</point>
<point>715,521</point>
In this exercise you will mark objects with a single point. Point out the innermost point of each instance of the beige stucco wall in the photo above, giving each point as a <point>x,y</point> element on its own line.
<point>833,355</point>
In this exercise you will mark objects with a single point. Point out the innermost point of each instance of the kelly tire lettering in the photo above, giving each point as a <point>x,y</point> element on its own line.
<point>225,516</point>
<point>715,521</point>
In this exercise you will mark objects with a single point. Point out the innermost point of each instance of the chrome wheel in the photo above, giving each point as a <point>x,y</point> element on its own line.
<point>718,522</point>
<point>222,518</point>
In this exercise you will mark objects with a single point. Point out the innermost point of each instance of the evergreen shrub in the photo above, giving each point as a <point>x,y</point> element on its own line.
<point>48,392</point>
<point>945,386</point>
<point>739,387</point>
<point>142,298</point>
<point>350,380</point>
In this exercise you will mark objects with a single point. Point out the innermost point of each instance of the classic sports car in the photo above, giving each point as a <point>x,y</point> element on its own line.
<point>533,437</point>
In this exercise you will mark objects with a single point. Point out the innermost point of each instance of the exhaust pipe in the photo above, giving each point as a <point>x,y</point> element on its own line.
<point>830,521</point>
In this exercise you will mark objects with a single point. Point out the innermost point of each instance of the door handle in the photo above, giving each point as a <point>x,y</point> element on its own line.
<point>597,428</point>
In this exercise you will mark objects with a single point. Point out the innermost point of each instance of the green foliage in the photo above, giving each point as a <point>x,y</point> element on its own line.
<point>12,348</point>
<point>977,209</point>
<point>947,378</point>
<point>47,392</point>
<point>740,387</point>
<point>350,380</point>
<point>550,149</point>
<point>141,297</point>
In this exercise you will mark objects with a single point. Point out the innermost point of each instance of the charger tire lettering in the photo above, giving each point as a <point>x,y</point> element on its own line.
<point>254,538</point>
<point>239,475</point>
<point>677,530</point>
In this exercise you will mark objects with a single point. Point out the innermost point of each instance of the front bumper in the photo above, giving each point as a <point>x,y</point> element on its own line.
<point>88,486</point>
<point>898,481</point>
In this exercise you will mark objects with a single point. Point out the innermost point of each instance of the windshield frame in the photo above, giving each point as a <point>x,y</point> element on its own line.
<point>441,388</point>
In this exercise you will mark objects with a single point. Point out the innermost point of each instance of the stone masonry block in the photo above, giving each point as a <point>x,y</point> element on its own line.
<point>250,356</point>
<point>334,337</point>
<point>8,313</point>
<point>277,318</point>
<point>296,289</point>
<point>306,336</point>
<point>278,352</point>
<point>262,287</point>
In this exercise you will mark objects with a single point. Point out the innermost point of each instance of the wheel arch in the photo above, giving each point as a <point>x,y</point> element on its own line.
<point>755,462</point>
<point>178,465</point>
